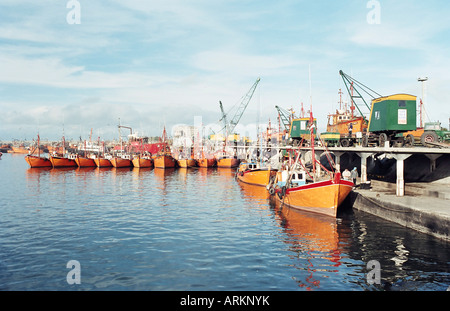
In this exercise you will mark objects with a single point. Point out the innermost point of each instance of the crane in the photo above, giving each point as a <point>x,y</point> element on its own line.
<point>285,117</point>
<point>230,126</point>
<point>350,85</point>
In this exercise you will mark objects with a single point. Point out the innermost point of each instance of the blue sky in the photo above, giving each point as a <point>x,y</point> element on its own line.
<point>156,63</point>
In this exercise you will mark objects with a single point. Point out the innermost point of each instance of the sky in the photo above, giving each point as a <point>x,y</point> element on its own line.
<point>68,69</point>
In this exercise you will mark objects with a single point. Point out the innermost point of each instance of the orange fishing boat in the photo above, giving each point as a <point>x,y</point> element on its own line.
<point>228,162</point>
<point>164,158</point>
<point>323,197</point>
<point>164,161</point>
<point>142,161</point>
<point>205,162</point>
<point>102,162</point>
<point>251,173</point>
<point>85,162</point>
<point>20,149</point>
<point>58,161</point>
<point>119,162</point>
<point>187,163</point>
<point>37,161</point>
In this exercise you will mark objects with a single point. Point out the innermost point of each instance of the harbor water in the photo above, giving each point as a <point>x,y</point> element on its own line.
<point>195,230</point>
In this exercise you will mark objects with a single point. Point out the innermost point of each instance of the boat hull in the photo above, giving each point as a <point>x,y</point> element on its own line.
<point>102,162</point>
<point>321,197</point>
<point>119,162</point>
<point>35,161</point>
<point>142,162</point>
<point>20,150</point>
<point>85,162</point>
<point>62,162</point>
<point>257,177</point>
<point>165,161</point>
<point>228,162</point>
<point>207,162</point>
<point>187,163</point>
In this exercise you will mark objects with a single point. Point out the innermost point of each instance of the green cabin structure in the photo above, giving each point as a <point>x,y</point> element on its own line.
<point>300,129</point>
<point>393,114</point>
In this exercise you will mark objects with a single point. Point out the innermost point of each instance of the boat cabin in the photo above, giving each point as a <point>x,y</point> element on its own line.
<point>245,166</point>
<point>298,178</point>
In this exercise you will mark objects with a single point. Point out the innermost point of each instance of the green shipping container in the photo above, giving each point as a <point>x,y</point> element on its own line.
<point>395,113</point>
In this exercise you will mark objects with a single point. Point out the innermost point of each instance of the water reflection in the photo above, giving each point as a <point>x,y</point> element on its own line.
<point>206,217</point>
<point>310,236</point>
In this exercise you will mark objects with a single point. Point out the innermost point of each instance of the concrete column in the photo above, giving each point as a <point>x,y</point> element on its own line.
<point>364,156</point>
<point>338,160</point>
<point>433,158</point>
<point>400,173</point>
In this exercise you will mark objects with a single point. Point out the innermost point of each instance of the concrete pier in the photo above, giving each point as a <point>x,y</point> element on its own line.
<point>398,153</point>
<point>425,208</point>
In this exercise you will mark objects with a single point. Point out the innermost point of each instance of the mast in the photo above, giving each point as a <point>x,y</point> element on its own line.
<point>311,126</point>
<point>39,144</point>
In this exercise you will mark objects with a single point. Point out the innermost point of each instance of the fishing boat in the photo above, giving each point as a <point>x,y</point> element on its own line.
<point>322,196</point>
<point>37,161</point>
<point>143,161</point>
<point>206,162</point>
<point>85,161</point>
<point>61,161</point>
<point>102,162</point>
<point>185,163</point>
<point>230,162</point>
<point>254,174</point>
<point>20,149</point>
<point>102,158</point>
<point>88,149</point>
<point>164,158</point>
<point>344,127</point>
<point>164,161</point>
<point>123,160</point>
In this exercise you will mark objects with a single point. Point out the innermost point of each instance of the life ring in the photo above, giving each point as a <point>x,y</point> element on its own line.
<point>271,191</point>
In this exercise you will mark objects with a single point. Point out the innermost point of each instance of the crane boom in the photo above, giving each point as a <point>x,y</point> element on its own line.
<point>224,118</point>
<point>230,127</point>
<point>350,84</point>
<point>285,117</point>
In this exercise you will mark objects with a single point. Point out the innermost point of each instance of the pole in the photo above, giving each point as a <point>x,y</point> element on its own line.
<point>423,80</point>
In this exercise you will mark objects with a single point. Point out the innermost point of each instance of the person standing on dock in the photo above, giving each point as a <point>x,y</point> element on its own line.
<point>354,175</point>
<point>346,174</point>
